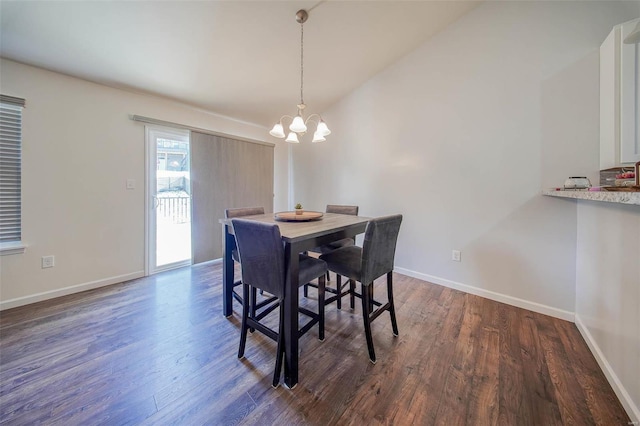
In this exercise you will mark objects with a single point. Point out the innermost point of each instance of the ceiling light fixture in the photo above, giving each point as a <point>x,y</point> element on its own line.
<point>298,126</point>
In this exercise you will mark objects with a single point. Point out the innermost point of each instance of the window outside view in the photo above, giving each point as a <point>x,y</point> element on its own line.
<point>173,205</point>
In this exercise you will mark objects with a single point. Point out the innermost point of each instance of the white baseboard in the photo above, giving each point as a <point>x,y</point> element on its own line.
<point>498,297</point>
<point>632,409</point>
<point>39,297</point>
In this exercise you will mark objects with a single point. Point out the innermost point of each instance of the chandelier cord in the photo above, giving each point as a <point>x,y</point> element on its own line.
<point>298,126</point>
<point>301,63</point>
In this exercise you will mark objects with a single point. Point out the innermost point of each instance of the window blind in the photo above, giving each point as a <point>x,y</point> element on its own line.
<point>10,168</point>
<point>225,173</point>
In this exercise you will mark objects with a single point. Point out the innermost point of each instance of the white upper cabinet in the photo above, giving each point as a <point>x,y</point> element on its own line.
<point>619,98</point>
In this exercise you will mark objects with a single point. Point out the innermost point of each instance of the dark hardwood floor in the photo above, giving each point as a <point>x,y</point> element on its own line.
<point>158,351</point>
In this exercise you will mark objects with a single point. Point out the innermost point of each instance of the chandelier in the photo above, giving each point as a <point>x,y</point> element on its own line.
<point>298,126</point>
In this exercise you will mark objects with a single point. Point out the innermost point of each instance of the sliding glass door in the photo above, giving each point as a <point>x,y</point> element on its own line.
<point>168,198</point>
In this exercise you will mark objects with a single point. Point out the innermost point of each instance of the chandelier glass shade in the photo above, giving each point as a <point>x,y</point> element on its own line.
<point>299,125</point>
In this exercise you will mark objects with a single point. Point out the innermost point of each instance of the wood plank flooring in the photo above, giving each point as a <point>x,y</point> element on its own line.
<point>158,351</point>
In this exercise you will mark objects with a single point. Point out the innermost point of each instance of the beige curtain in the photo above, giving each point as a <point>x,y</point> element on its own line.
<point>225,173</point>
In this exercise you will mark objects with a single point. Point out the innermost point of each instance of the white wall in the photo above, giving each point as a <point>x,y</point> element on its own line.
<point>462,134</point>
<point>79,147</point>
<point>608,293</point>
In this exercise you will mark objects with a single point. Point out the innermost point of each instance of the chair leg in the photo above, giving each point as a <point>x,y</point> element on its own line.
<point>321,290</point>
<point>328,277</point>
<point>245,314</point>
<point>371,297</point>
<point>253,300</point>
<point>367,321</point>
<point>392,308</point>
<point>352,291</point>
<point>339,288</point>
<point>306,287</point>
<point>280,349</point>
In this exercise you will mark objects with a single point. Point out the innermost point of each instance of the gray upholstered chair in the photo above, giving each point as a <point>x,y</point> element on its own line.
<point>364,265</point>
<point>268,302</point>
<point>240,212</point>
<point>261,255</point>
<point>340,209</point>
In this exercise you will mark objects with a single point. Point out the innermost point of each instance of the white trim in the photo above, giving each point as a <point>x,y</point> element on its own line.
<point>147,199</point>
<point>498,297</point>
<point>7,249</point>
<point>38,297</point>
<point>632,410</point>
<point>170,266</point>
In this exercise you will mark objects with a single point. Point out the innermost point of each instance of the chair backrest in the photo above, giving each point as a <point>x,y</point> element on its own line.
<point>333,208</point>
<point>261,255</point>
<point>379,247</point>
<point>243,211</point>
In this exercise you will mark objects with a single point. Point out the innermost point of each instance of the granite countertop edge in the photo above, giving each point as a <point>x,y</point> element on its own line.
<point>632,198</point>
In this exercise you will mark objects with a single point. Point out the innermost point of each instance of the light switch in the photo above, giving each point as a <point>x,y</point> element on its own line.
<point>131,183</point>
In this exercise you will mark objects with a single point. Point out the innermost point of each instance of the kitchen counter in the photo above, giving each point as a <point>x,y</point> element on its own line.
<point>606,196</point>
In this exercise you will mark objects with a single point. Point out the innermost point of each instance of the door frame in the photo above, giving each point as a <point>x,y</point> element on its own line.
<point>151,131</point>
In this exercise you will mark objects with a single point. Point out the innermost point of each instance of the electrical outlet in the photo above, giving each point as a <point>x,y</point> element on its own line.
<point>131,184</point>
<point>455,256</point>
<point>48,262</point>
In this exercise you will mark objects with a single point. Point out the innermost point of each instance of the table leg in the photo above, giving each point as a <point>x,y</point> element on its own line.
<point>228,245</point>
<point>291,317</point>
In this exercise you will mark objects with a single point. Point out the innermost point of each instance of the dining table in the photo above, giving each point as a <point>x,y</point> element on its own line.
<point>298,236</point>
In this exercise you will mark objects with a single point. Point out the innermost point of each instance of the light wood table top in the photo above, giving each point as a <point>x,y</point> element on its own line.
<point>296,231</point>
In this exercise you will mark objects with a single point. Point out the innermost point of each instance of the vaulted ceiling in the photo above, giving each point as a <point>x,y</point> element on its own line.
<point>236,58</point>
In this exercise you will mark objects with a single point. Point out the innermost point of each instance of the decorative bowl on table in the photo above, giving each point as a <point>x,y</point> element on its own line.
<point>294,216</point>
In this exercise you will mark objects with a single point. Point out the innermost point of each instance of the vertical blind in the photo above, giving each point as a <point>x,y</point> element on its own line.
<point>10,168</point>
<point>225,173</point>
